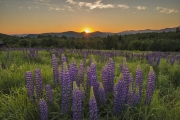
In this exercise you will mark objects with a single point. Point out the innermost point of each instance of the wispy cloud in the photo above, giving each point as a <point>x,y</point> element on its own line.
<point>91,6</point>
<point>166,10</point>
<point>72,5</point>
<point>71,2</point>
<point>123,6</point>
<point>141,7</point>
<point>54,8</point>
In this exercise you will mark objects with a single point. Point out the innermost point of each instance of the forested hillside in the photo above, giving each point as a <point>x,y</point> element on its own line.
<point>165,41</point>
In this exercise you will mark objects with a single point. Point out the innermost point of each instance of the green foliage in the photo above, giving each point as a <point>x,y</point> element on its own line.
<point>165,41</point>
<point>15,105</point>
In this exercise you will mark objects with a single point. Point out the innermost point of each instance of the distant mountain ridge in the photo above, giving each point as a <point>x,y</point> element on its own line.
<point>96,33</point>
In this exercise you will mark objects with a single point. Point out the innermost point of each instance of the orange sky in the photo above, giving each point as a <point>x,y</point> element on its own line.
<point>42,16</point>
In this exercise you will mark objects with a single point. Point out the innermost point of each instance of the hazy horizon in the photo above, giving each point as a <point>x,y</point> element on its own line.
<point>53,16</point>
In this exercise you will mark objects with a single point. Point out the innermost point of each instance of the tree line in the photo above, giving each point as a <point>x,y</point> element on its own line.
<point>164,41</point>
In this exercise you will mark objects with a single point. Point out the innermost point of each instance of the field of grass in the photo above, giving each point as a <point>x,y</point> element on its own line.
<point>15,104</point>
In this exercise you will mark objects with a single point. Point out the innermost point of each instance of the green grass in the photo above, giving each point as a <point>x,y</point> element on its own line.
<point>14,104</point>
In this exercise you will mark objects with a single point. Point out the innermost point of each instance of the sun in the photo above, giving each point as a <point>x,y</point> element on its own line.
<point>87,31</point>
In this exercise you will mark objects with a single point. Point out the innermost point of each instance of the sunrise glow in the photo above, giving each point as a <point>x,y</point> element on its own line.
<point>87,31</point>
<point>44,16</point>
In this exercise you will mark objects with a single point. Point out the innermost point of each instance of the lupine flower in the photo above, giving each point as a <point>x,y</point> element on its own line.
<point>139,79</point>
<point>105,81</point>
<point>82,91</point>
<point>102,95</point>
<point>150,86</point>
<point>29,84</point>
<point>43,109</point>
<point>74,72</point>
<point>93,110</point>
<point>120,94</point>
<point>63,59</point>
<point>49,93</point>
<point>95,85</point>
<point>88,81</point>
<point>94,81</point>
<point>112,68</point>
<point>60,77</point>
<point>38,83</point>
<point>81,72</point>
<point>77,102</point>
<point>126,77</point>
<point>108,76</point>
<point>55,69</point>
<point>66,90</point>
<point>137,98</point>
<point>116,100</point>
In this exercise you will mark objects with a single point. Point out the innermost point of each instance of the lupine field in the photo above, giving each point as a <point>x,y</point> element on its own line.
<point>65,84</point>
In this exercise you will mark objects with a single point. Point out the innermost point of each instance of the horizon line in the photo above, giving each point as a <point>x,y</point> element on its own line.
<point>92,31</point>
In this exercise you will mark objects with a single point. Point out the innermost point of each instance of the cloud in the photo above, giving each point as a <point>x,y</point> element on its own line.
<point>71,2</point>
<point>54,8</point>
<point>141,7</point>
<point>166,10</point>
<point>91,6</point>
<point>123,6</point>
<point>72,5</point>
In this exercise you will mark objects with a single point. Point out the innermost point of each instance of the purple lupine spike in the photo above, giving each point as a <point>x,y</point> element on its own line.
<point>126,76</point>
<point>63,59</point>
<point>60,77</point>
<point>139,79</point>
<point>116,100</point>
<point>39,83</point>
<point>132,82</point>
<point>29,84</point>
<point>82,91</point>
<point>93,69</point>
<point>49,95</point>
<point>102,95</point>
<point>93,110</point>
<point>150,86</point>
<point>88,81</point>
<point>120,94</point>
<point>66,90</point>
<point>105,81</point>
<point>74,72</point>
<point>81,72</point>
<point>55,70</point>
<point>137,98</point>
<point>43,109</point>
<point>112,66</point>
<point>77,102</point>
<point>108,76</point>
<point>94,81</point>
<point>95,85</point>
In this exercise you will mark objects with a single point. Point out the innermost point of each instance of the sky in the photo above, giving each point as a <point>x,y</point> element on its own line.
<point>43,16</point>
